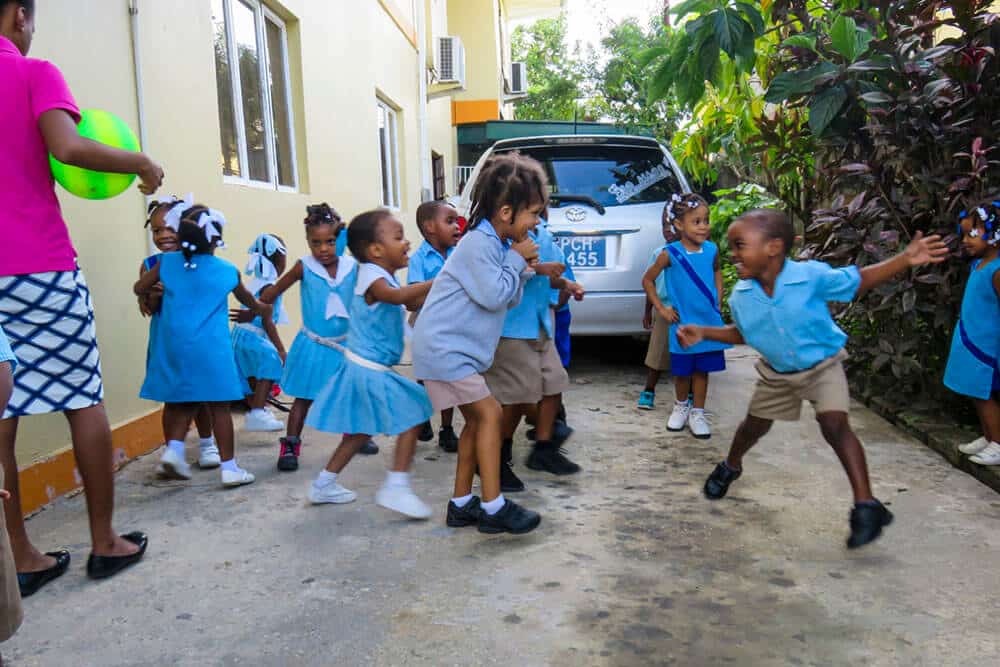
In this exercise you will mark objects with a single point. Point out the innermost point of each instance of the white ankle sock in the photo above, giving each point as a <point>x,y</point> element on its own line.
<point>694,410</point>
<point>495,505</point>
<point>462,501</point>
<point>230,465</point>
<point>207,442</point>
<point>259,412</point>
<point>326,477</point>
<point>177,447</point>
<point>680,403</point>
<point>394,478</point>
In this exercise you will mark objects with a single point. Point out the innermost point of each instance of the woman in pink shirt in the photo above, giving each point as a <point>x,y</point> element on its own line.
<point>45,305</point>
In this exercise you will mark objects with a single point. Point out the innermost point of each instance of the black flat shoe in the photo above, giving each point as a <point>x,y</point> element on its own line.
<point>447,440</point>
<point>464,516</point>
<point>867,521</point>
<point>426,432</point>
<point>509,481</point>
<point>718,482</point>
<point>561,431</point>
<point>546,456</point>
<point>102,567</point>
<point>512,518</point>
<point>31,582</point>
<point>369,448</point>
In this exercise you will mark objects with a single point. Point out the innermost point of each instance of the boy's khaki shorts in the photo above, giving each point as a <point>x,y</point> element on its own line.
<point>779,396</point>
<point>658,353</point>
<point>11,613</point>
<point>525,371</point>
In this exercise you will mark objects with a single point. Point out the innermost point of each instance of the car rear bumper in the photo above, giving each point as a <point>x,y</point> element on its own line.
<point>608,314</point>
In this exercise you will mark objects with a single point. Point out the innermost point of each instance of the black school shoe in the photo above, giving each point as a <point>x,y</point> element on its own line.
<point>288,459</point>
<point>561,431</point>
<point>426,432</point>
<point>867,521</point>
<point>718,482</point>
<point>458,517</point>
<point>547,456</point>
<point>511,518</point>
<point>31,582</point>
<point>102,567</point>
<point>369,448</point>
<point>447,440</point>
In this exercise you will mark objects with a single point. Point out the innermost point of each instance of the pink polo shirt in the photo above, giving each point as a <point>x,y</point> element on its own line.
<point>35,238</point>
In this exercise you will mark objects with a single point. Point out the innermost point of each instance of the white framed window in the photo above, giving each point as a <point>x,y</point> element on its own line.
<point>255,101</point>
<point>388,154</point>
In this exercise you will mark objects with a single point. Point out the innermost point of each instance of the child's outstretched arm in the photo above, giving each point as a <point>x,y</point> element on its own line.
<point>147,281</point>
<point>649,284</point>
<point>692,334</point>
<point>496,286</point>
<point>718,280</point>
<point>265,310</point>
<point>411,296</point>
<point>922,250</point>
<point>269,294</point>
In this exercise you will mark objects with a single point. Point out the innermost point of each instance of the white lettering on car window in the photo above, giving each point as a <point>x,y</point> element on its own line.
<point>646,180</point>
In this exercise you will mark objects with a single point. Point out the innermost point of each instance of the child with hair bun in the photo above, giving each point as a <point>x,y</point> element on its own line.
<point>193,361</point>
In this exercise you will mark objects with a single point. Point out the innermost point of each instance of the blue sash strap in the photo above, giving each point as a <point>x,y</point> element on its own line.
<point>693,275</point>
<point>976,352</point>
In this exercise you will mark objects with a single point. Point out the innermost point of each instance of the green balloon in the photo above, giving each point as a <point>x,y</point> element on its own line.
<point>105,128</point>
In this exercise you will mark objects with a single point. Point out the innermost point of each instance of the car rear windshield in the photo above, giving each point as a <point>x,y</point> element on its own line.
<point>611,175</point>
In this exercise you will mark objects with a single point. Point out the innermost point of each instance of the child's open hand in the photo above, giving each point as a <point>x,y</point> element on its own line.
<point>4,494</point>
<point>527,249</point>
<point>576,290</point>
<point>647,320</point>
<point>926,250</point>
<point>689,334</point>
<point>241,315</point>
<point>669,314</point>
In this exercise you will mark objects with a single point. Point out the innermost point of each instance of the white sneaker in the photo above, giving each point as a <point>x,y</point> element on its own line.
<point>990,456</point>
<point>402,499</point>
<point>975,446</point>
<point>330,493</point>
<point>679,417</point>
<point>174,465</point>
<point>698,423</point>
<point>237,477</point>
<point>261,419</point>
<point>209,457</point>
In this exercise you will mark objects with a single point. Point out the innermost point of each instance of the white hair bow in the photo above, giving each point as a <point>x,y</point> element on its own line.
<point>259,266</point>
<point>173,217</point>
<point>210,230</point>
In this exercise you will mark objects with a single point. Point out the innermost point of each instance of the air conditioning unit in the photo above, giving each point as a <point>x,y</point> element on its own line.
<point>450,60</point>
<point>518,79</point>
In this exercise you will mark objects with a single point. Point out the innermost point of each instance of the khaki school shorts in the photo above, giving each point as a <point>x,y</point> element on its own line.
<point>11,613</point>
<point>658,353</point>
<point>525,371</point>
<point>779,396</point>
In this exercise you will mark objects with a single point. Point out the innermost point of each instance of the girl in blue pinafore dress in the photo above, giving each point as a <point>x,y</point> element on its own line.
<point>326,282</point>
<point>366,396</point>
<point>259,352</point>
<point>193,361</point>
<point>975,346</point>
<point>693,275</point>
<point>165,240</point>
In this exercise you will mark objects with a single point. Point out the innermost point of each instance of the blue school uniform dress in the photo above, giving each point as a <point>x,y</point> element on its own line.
<point>426,263</point>
<point>366,396</point>
<point>317,352</point>
<point>256,355</point>
<point>975,344</point>
<point>154,320</point>
<point>690,283</point>
<point>193,359</point>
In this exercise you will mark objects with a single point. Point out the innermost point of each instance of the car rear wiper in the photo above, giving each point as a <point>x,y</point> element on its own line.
<point>580,199</point>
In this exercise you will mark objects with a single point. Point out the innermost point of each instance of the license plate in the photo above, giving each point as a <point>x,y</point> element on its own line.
<point>584,252</point>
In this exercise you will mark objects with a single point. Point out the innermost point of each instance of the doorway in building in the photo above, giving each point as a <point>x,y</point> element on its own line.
<point>437,165</point>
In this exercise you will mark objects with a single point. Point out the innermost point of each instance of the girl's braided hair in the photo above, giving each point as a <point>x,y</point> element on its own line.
<point>155,206</point>
<point>321,214</point>
<point>988,216</point>
<point>507,179</point>
<point>195,239</point>
<point>679,204</point>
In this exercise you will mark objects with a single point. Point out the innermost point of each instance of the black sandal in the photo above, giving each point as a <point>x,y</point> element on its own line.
<point>102,567</point>
<point>31,582</point>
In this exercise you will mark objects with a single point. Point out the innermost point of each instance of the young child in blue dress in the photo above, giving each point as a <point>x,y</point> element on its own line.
<point>165,240</point>
<point>693,276</point>
<point>460,324</point>
<point>366,396</point>
<point>780,308</point>
<point>438,224</point>
<point>975,346</point>
<point>658,349</point>
<point>260,355</point>
<point>193,362</point>
<point>326,278</point>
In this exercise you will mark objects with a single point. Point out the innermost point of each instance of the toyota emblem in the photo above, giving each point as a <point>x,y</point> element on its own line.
<point>576,214</point>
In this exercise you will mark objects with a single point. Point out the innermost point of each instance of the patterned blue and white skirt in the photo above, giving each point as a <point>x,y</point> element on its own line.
<point>49,320</point>
<point>256,355</point>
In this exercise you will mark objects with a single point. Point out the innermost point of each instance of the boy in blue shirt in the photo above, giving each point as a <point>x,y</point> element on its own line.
<point>438,224</point>
<point>780,309</point>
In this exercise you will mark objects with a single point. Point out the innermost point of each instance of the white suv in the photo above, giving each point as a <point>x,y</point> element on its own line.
<point>606,203</point>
